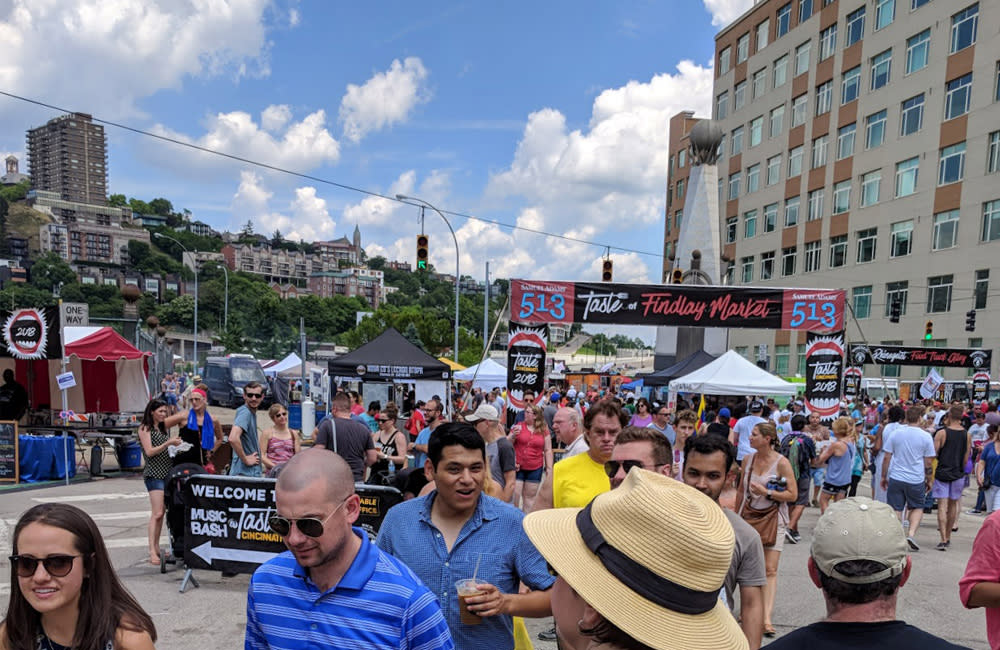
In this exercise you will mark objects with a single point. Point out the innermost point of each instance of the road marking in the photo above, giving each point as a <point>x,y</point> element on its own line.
<point>111,496</point>
<point>107,516</point>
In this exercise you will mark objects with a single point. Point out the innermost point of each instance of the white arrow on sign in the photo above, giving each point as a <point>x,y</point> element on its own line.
<point>209,553</point>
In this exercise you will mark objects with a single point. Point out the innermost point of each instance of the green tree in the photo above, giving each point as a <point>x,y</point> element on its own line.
<point>117,201</point>
<point>413,336</point>
<point>139,206</point>
<point>50,271</point>
<point>17,192</point>
<point>161,207</point>
<point>234,339</point>
<point>178,312</point>
<point>377,263</point>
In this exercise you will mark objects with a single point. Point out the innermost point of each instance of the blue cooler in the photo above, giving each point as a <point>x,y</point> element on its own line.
<point>295,416</point>
<point>130,456</point>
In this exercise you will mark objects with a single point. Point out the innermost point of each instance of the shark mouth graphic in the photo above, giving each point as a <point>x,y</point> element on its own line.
<point>825,407</point>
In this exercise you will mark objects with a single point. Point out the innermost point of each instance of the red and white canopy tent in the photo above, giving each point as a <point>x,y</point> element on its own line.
<point>110,373</point>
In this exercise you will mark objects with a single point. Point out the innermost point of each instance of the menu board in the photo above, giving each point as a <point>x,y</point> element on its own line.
<point>9,466</point>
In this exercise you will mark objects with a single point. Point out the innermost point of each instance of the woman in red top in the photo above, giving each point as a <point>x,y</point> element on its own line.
<point>532,453</point>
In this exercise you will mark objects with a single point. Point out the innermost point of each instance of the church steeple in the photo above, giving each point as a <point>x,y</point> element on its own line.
<point>357,237</point>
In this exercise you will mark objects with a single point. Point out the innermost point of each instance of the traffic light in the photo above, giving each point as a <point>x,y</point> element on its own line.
<point>895,311</point>
<point>677,276</point>
<point>422,253</point>
<point>929,331</point>
<point>970,320</point>
<point>607,268</point>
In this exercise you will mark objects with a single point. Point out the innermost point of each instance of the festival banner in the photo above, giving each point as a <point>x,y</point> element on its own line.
<point>31,333</point>
<point>525,364</point>
<point>690,305</point>
<point>852,382</point>
<point>901,355</point>
<point>980,386</point>
<point>824,367</point>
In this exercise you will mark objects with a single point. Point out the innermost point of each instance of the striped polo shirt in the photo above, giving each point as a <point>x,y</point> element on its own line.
<point>378,604</point>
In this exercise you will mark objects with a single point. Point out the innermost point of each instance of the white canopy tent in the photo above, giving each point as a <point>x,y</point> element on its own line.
<point>486,375</point>
<point>292,361</point>
<point>731,374</point>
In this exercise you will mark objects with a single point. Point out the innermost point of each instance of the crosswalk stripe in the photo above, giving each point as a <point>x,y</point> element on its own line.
<point>76,498</point>
<point>99,517</point>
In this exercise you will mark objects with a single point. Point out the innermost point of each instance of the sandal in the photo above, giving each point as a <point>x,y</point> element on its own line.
<point>154,560</point>
<point>769,631</point>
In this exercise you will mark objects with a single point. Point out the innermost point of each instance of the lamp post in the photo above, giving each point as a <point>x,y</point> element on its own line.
<point>404,198</point>
<point>225,317</point>
<point>162,236</point>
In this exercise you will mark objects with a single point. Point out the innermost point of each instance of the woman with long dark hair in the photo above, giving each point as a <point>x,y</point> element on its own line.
<point>196,428</point>
<point>64,592</point>
<point>643,414</point>
<point>533,454</point>
<point>155,442</point>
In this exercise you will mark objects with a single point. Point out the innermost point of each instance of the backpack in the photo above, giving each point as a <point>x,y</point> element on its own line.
<point>793,447</point>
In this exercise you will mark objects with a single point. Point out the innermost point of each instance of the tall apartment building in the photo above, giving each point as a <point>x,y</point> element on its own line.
<point>69,155</point>
<point>862,152</point>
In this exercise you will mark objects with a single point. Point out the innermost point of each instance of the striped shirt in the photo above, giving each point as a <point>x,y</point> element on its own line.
<point>378,604</point>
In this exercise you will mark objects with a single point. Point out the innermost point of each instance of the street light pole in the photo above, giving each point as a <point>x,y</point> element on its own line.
<point>161,235</point>
<point>404,198</point>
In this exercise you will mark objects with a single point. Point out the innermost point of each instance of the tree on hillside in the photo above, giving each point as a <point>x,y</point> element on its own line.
<point>117,201</point>
<point>50,271</point>
<point>139,206</point>
<point>413,336</point>
<point>161,207</point>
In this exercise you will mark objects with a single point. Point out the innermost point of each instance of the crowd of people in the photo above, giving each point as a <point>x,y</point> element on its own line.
<point>634,524</point>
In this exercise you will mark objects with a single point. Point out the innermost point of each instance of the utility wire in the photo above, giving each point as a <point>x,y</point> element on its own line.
<point>324,181</point>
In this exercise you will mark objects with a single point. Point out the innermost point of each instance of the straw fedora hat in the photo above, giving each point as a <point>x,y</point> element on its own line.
<point>664,552</point>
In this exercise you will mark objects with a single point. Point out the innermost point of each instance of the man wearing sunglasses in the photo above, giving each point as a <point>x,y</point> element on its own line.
<point>638,447</point>
<point>243,436</point>
<point>333,583</point>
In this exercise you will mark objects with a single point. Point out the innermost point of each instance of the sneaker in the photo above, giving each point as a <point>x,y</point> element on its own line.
<point>548,635</point>
<point>913,544</point>
<point>974,512</point>
<point>941,546</point>
<point>790,536</point>
<point>798,538</point>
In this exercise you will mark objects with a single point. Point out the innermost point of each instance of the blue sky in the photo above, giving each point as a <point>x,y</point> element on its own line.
<point>549,115</point>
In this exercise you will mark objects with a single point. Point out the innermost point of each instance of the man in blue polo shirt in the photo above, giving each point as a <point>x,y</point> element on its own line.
<point>333,588</point>
<point>457,532</point>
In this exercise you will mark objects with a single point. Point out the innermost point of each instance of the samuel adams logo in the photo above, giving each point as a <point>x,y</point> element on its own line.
<point>979,359</point>
<point>859,354</point>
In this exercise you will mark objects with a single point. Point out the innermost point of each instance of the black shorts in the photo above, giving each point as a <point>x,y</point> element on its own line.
<point>830,488</point>
<point>805,480</point>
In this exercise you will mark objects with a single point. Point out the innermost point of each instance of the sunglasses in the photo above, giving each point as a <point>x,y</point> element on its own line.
<point>57,566</point>
<point>254,395</point>
<point>281,415</point>
<point>611,467</point>
<point>308,526</point>
<point>384,420</point>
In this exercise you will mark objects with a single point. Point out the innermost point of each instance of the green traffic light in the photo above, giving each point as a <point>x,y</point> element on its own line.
<point>422,265</point>
<point>928,336</point>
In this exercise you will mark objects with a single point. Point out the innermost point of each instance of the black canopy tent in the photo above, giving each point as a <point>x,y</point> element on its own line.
<point>679,369</point>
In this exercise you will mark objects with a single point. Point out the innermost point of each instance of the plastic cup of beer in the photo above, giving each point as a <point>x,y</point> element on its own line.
<point>467,587</point>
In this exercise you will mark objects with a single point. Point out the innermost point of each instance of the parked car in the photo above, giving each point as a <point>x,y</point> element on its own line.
<point>226,377</point>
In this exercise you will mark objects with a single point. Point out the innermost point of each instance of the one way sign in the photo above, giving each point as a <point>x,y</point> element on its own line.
<point>75,313</point>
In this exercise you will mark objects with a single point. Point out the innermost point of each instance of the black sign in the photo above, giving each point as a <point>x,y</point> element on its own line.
<point>225,520</point>
<point>31,333</point>
<point>525,364</point>
<point>9,458</point>
<point>824,367</point>
<point>852,382</point>
<point>900,355</point>
<point>980,386</point>
<point>677,304</point>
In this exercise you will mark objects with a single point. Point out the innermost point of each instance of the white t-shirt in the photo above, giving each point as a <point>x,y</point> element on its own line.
<point>979,433</point>
<point>909,446</point>
<point>744,427</point>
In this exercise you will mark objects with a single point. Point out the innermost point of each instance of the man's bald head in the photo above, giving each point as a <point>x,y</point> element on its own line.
<point>317,464</point>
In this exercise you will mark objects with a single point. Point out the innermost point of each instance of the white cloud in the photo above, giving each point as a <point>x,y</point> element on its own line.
<point>118,51</point>
<point>375,211</point>
<point>726,11</point>
<point>274,117</point>
<point>306,216</point>
<point>385,99</point>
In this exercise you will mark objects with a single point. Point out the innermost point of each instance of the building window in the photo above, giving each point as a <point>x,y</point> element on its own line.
<point>993,153</point>
<point>722,105</point>
<point>680,189</point>
<point>875,129</point>
<point>812,256</point>
<point>739,95</point>
<point>734,186</point>
<point>901,242</point>
<point>964,25</point>
<point>759,83</point>
<point>996,84</point>
<point>737,140</point>
<point>800,366</point>
<point>753,178</point>
<point>805,10</point>
<point>756,130</point>
<point>945,230</point>
<point>881,65</point>
<point>816,204</point>
<point>795,161</point>
<point>871,184</point>
<point>850,85</point>
<point>861,297</point>
<point>824,97</point>
<point>896,292</point>
<point>802,58</point>
<point>819,151</point>
<point>845,140</point>
<point>746,270</point>
<point>916,4</point>
<point>838,251</point>
<point>788,261</point>
<point>841,197</point>
<point>855,27</point>
<point>956,96</point>
<point>791,211</point>
<point>885,11</point>
<point>770,217</point>
<point>780,71</point>
<point>906,176</point>
<point>777,120</point>
<point>866,245</point>
<point>828,42</point>
<point>911,115</point>
<point>763,31</point>
<point>749,224</point>
<point>916,51</point>
<point>742,48</point>
<point>939,294</point>
<point>773,170</point>
<point>781,354</point>
<point>767,265</point>
<point>951,169</point>
<point>783,20</point>
<point>731,225</point>
<point>800,107</point>
<point>724,56</point>
<point>981,289</point>
<point>991,220</point>
<point>682,158</point>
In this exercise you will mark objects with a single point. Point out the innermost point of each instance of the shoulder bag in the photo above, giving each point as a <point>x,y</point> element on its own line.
<point>765,521</point>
